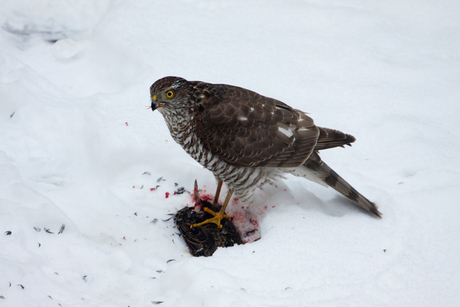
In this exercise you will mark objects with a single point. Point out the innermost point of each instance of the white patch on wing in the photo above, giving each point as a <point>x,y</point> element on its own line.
<point>286,132</point>
<point>242,118</point>
<point>303,129</point>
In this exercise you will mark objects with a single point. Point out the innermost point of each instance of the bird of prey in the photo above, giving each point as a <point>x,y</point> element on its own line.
<point>247,140</point>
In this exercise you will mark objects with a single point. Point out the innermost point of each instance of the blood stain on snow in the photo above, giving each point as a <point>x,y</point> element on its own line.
<point>254,223</point>
<point>208,197</point>
<point>246,224</point>
<point>126,123</point>
<point>166,194</point>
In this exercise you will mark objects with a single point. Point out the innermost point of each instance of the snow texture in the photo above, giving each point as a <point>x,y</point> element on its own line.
<point>85,166</point>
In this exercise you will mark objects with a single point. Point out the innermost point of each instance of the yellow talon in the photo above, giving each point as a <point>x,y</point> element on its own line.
<point>218,216</point>
<point>214,213</point>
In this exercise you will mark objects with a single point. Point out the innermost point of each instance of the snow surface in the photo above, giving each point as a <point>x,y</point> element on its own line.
<point>80,148</point>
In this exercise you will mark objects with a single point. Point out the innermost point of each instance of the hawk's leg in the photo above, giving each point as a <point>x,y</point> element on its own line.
<point>219,215</point>
<point>216,197</point>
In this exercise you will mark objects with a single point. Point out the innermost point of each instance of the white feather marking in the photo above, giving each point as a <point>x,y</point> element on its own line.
<point>303,129</point>
<point>188,139</point>
<point>286,132</point>
<point>212,162</point>
<point>176,84</point>
<point>242,118</point>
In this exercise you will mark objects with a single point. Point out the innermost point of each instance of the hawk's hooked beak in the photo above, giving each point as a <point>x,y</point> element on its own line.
<point>155,102</point>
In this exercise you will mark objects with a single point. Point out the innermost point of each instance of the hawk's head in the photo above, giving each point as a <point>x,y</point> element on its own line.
<point>169,93</point>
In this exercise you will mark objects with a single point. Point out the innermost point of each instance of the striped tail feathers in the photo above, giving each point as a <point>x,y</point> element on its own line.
<point>330,138</point>
<point>332,179</point>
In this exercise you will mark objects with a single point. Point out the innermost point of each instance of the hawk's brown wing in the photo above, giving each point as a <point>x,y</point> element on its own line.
<point>248,129</point>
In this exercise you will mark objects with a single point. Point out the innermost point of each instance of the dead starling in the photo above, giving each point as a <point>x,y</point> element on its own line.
<point>204,240</point>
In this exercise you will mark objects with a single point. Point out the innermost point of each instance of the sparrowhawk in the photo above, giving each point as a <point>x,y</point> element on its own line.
<point>247,140</point>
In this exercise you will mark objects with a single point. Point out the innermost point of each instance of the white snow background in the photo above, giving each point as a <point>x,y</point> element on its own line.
<point>79,147</point>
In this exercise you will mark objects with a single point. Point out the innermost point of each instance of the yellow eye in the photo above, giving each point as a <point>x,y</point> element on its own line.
<point>169,94</point>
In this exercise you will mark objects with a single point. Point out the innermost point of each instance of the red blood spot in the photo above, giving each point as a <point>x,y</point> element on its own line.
<point>242,207</point>
<point>134,186</point>
<point>273,206</point>
<point>152,189</point>
<point>124,238</point>
<point>207,197</point>
<point>166,194</point>
<point>174,193</point>
<point>126,123</point>
<point>285,190</point>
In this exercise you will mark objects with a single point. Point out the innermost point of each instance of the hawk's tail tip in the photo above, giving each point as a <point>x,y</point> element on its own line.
<point>375,211</point>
